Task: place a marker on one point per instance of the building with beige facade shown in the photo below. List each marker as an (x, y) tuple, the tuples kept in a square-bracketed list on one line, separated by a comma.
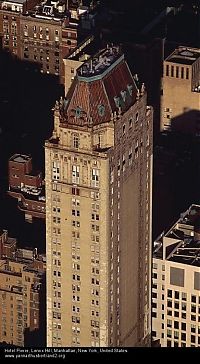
[(176, 283), (180, 88), (22, 287), (42, 33), (98, 209)]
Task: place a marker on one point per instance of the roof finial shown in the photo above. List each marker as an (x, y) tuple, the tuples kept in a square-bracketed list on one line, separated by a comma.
[(142, 91)]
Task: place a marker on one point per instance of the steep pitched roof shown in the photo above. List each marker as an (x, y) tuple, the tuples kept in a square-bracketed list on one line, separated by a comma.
[(100, 89)]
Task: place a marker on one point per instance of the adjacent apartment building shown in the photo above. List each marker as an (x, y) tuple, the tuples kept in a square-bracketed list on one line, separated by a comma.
[(22, 292), (180, 97), (26, 184), (98, 209), (42, 32), (176, 283)]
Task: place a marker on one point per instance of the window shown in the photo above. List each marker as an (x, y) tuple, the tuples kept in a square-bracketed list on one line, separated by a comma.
[(183, 326), (176, 305), (172, 71), (75, 191), (169, 303), (176, 334), (75, 174), (95, 217), (193, 308), (176, 324), (184, 306), (169, 333), (167, 70), (176, 295), (184, 296), (169, 293), (56, 170), (76, 141), (169, 323), (187, 73), (177, 72), (193, 298), (95, 177), (182, 72)]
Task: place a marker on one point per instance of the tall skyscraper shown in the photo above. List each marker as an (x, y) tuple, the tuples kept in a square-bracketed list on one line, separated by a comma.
[(176, 283), (98, 209)]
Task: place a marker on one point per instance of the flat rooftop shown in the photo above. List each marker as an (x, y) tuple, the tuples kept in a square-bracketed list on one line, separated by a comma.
[(183, 245), (100, 62), (20, 158), (184, 55)]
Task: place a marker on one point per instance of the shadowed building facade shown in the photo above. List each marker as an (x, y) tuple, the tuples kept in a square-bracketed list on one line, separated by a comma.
[(22, 283), (180, 86), (98, 209)]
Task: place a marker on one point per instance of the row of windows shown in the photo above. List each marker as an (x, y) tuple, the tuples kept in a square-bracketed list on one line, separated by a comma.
[(178, 72), (130, 123)]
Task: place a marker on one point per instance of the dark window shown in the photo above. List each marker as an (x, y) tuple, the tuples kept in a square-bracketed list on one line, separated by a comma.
[(169, 303), (154, 295), (175, 344), (187, 73), (176, 324), (172, 71), (183, 326), (176, 295), (193, 309), (169, 343), (183, 315), (193, 338), (193, 299), (176, 305), (182, 72), (193, 317), (154, 314), (75, 191), (167, 70), (183, 336), (177, 72), (176, 313), (169, 293)]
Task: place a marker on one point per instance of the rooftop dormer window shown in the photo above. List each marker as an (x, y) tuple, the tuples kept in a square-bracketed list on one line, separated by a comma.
[(101, 110), (78, 112)]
